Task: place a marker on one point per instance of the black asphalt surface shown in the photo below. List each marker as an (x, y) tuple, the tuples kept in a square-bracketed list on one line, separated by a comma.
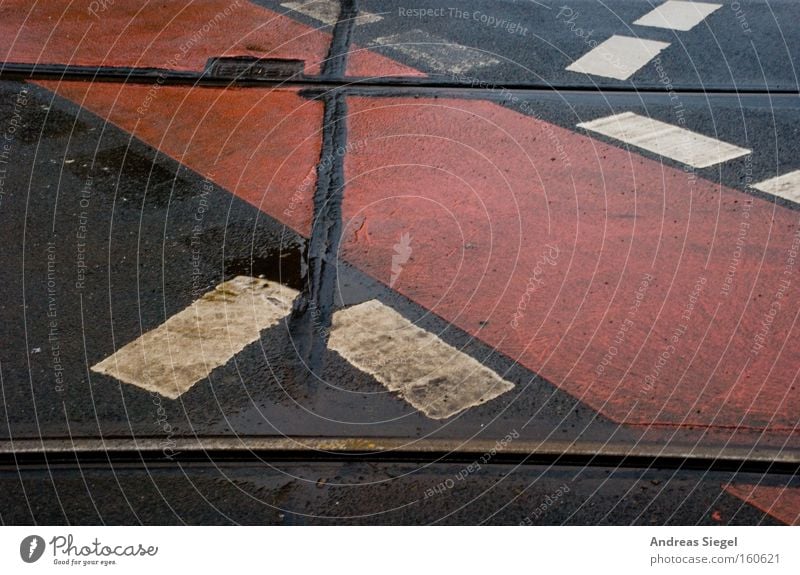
[(139, 273), (139, 258), (737, 81), (336, 493), (745, 45)]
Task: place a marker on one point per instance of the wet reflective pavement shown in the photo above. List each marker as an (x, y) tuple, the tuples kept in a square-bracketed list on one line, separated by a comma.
[(586, 294)]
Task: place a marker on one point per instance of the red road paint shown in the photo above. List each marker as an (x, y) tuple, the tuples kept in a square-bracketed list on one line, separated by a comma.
[(782, 503), (362, 63), (262, 145), (479, 225), (166, 35), (482, 191)]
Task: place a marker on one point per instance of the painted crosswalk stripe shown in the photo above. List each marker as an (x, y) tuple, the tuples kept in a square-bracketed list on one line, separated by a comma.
[(170, 359), (678, 15), (619, 57), (327, 11), (786, 186), (431, 375), (433, 52), (664, 139)]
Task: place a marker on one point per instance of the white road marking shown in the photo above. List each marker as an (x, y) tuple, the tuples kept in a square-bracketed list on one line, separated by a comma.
[(435, 52), (619, 57), (170, 359), (431, 375), (327, 11), (678, 15), (786, 186), (665, 140)]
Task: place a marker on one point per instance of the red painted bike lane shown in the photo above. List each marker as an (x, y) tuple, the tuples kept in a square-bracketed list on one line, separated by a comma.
[(602, 270), (782, 503), (171, 36), (606, 272)]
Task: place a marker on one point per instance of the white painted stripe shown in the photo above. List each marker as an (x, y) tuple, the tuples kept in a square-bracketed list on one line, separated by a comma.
[(666, 140), (678, 15), (436, 53), (786, 186), (619, 57), (327, 11), (170, 359), (431, 375)]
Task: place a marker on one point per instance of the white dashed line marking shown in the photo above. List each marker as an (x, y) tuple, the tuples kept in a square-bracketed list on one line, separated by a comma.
[(428, 373), (170, 359), (327, 11), (678, 15), (666, 140), (619, 57), (436, 53), (786, 186)]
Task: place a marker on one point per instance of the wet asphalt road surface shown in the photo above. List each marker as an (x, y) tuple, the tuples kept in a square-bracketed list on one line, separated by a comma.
[(107, 235)]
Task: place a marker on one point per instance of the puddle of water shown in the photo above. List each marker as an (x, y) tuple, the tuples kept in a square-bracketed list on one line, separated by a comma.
[(282, 263)]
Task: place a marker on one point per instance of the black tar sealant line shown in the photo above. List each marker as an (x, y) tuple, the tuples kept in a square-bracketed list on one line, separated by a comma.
[(335, 65), (312, 311), (310, 321)]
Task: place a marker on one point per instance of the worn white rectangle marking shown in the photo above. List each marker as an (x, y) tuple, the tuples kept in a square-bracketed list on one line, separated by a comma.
[(666, 140), (437, 53), (170, 359), (431, 375), (678, 15), (327, 11), (619, 57), (786, 186)]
